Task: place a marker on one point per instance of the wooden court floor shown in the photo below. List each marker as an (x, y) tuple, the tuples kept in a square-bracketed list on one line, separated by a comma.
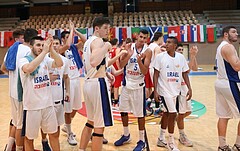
[(202, 131)]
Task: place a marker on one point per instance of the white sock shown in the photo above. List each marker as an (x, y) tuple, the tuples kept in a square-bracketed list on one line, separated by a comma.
[(162, 134), (10, 143), (171, 138), (69, 130), (238, 140), (181, 131), (141, 135), (222, 141), (19, 148), (125, 131)]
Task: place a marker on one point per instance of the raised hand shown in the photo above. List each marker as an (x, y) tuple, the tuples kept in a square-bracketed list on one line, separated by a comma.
[(193, 50)]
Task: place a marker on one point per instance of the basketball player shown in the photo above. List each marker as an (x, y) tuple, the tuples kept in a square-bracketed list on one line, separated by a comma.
[(136, 65), (75, 102), (98, 106), (155, 48), (227, 86), (58, 76), (169, 68), (185, 107), (16, 103), (37, 96)]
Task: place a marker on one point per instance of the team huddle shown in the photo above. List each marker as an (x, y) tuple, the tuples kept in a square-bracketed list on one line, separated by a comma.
[(45, 92)]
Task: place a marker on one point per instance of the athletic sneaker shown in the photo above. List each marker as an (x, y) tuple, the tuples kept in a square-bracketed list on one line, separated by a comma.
[(46, 146), (224, 148), (140, 146), (172, 147), (64, 129), (185, 141), (71, 139), (161, 143), (122, 140), (236, 147)]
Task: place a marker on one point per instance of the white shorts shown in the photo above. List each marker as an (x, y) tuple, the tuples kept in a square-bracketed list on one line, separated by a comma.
[(183, 105), (227, 98), (59, 110), (36, 119), (75, 102), (98, 102), (169, 104), (17, 113), (133, 101)]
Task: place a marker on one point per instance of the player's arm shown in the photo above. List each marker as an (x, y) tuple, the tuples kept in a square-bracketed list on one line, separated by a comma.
[(155, 83), (82, 37), (30, 67), (57, 59), (125, 57), (3, 68), (66, 80), (193, 65), (144, 66), (69, 40), (99, 50), (116, 72), (115, 59), (229, 54), (187, 81)]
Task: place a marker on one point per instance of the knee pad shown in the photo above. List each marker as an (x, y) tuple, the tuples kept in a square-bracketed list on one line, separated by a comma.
[(89, 125), (124, 114), (97, 135), (11, 123)]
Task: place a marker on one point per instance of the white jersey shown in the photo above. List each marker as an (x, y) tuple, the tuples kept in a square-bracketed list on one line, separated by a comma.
[(152, 46), (90, 71), (36, 89), (56, 86), (170, 73), (73, 69), (133, 77), (22, 51), (224, 69)]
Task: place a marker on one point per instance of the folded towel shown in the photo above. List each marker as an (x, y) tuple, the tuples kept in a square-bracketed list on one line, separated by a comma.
[(10, 61), (30, 59), (76, 56)]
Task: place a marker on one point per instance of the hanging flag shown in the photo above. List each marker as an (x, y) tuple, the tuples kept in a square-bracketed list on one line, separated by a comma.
[(89, 32), (129, 32), (112, 33), (8, 38), (192, 33), (82, 31), (2, 39), (152, 31), (211, 33), (135, 32), (164, 30), (122, 34), (174, 31), (51, 31), (184, 33), (58, 33), (201, 33), (42, 33)]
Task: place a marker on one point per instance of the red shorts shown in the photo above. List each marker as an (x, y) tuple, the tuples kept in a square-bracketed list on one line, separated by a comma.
[(148, 81), (118, 80)]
